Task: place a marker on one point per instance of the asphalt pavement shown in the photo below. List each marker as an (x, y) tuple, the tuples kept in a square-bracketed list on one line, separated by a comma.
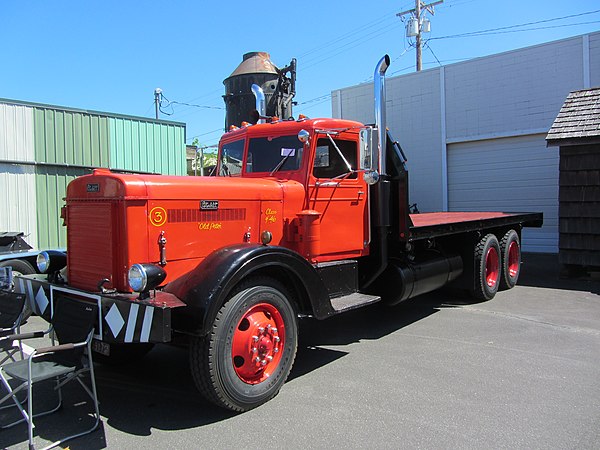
[(521, 371)]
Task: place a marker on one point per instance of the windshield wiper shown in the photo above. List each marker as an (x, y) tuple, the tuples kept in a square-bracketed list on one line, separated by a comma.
[(281, 163)]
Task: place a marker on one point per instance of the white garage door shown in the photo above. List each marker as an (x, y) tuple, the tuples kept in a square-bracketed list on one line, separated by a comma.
[(516, 174)]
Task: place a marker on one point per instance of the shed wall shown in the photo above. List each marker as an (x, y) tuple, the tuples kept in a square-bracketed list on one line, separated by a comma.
[(147, 147), (16, 133), (71, 138), (51, 189), (580, 205), (18, 197), (42, 148)]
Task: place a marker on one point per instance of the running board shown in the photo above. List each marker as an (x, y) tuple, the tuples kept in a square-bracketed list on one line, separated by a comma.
[(353, 301)]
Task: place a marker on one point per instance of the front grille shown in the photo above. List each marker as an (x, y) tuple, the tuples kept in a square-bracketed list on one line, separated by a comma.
[(90, 244)]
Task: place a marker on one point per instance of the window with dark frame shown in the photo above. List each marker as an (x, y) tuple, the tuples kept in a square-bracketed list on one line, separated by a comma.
[(328, 162)]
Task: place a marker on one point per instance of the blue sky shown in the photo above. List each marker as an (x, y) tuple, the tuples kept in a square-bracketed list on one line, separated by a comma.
[(110, 55)]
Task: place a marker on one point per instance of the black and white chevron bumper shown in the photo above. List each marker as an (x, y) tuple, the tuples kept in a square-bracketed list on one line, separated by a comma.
[(121, 318)]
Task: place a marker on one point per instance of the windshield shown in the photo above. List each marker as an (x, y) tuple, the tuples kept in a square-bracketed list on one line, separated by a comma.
[(266, 153)]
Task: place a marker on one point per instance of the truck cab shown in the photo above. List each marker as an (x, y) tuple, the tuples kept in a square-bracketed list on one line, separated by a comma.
[(320, 166)]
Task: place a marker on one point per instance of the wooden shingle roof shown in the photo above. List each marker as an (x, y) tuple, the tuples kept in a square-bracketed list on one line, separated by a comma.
[(578, 121)]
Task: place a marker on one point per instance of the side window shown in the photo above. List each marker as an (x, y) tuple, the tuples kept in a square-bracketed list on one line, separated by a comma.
[(232, 155), (329, 163)]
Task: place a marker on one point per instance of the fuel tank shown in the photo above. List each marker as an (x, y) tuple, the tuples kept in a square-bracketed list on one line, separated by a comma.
[(407, 279)]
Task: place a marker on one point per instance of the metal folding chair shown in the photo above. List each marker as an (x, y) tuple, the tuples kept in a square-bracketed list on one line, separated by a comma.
[(11, 314), (73, 324)]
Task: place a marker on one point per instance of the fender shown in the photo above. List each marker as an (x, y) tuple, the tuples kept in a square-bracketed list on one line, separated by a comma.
[(205, 288)]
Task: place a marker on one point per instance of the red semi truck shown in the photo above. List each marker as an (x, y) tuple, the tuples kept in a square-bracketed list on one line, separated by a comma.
[(306, 217)]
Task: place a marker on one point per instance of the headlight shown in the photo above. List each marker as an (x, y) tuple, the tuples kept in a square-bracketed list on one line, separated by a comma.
[(137, 277), (145, 277), (51, 261), (43, 262)]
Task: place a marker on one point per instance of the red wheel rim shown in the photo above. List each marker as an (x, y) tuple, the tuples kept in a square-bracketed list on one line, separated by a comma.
[(513, 259), (258, 343), (491, 267)]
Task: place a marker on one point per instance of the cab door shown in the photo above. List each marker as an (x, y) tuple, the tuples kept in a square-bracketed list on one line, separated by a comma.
[(338, 192)]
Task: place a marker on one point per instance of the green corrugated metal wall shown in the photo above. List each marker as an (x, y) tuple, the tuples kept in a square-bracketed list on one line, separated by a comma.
[(51, 188), (64, 139), (145, 146), (74, 138)]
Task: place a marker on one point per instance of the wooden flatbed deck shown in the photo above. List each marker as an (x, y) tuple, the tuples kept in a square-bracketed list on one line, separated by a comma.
[(428, 225)]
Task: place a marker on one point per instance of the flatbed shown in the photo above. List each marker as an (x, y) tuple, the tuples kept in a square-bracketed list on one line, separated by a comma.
[(437, 224)]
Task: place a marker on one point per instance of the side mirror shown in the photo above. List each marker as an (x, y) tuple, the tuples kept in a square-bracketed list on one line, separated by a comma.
[(368, 155), (371, 177), (303, 136), (368, 149)]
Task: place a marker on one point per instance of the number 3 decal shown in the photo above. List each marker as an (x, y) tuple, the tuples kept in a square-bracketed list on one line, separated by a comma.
[(157, 216)]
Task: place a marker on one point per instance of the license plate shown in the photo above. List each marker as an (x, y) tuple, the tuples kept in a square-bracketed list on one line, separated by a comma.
[(101, 347)]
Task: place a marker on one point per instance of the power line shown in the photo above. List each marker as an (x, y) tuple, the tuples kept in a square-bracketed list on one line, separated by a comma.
[(191, 138), (431, 50), (347, 46), (312, 100), (482, 33), (511, 27), (347, 35), (195, 106)]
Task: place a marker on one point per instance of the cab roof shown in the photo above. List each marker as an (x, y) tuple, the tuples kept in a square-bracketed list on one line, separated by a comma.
[(287, 127)]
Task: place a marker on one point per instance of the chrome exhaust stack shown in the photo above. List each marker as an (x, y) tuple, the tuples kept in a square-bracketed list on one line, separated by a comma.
[(261, 105), (380, 120), (381, 189)]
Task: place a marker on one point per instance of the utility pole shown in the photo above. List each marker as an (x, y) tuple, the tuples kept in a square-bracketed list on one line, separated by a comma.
[(417, 24), (157, 93)]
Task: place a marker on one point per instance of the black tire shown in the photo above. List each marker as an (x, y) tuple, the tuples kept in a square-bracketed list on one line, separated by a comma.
[(123, 354), (231, 377), (21, 267), (487, 268), (510, 248)]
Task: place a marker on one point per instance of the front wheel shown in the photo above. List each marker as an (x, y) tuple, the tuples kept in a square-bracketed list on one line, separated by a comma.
[(245, 359)]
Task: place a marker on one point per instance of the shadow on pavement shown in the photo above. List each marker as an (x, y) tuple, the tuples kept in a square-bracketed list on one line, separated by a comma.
[(543, 270), (158, 392)]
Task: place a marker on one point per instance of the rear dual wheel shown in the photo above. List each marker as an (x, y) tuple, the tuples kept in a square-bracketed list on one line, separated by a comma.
[(497, 264), (511, 259), (487, 268), (245, 359)]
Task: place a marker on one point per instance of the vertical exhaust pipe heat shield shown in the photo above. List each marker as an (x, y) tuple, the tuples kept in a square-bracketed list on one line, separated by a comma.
[(380, 119), (381, 191), (261, 104)]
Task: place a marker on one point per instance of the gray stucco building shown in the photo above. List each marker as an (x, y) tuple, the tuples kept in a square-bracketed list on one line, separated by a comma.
[(474, 132)]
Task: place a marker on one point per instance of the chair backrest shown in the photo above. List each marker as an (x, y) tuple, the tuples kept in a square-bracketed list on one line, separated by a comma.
[(11, 307), (72, 321)]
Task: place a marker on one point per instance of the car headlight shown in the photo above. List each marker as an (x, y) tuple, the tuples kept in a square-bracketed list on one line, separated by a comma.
[(145, 277), (51, 261), (43, 261)]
